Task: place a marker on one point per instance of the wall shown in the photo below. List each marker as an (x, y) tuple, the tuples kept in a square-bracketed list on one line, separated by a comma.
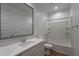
[(40, 25), (75, 33), (59, 14)]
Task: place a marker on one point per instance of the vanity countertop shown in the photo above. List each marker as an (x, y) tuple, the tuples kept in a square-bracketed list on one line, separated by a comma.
[(16, 48)]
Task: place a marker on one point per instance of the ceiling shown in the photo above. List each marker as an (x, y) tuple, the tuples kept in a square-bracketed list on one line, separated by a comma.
[(49, 7)]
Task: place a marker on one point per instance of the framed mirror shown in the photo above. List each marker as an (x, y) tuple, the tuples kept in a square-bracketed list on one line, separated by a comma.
[(16, 20)]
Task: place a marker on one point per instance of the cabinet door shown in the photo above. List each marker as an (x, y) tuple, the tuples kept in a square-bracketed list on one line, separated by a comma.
[(29, 52), (37, 50)]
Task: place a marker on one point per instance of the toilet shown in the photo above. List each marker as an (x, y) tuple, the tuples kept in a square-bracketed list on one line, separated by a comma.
[(48, 49)]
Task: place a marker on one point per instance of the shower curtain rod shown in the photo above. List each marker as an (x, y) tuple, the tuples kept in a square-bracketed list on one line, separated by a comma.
[(60, 18)]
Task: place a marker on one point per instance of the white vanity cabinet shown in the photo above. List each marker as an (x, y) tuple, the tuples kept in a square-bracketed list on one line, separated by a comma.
[(32, 47), (37, 50)]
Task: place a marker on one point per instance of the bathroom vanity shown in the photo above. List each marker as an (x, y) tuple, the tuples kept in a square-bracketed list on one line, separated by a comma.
[(17, 21), (32, 47)]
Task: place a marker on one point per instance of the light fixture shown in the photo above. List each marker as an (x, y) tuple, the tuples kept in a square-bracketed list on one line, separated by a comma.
[(55, 7)]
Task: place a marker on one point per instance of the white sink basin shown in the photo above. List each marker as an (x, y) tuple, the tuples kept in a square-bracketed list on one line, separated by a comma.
[(26, 43)]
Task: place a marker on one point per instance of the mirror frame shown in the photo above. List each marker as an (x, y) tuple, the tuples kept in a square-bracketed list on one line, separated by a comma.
[(19, 35)]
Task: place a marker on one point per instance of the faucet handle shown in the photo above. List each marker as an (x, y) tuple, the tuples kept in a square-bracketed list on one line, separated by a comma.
[(75, 26)]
